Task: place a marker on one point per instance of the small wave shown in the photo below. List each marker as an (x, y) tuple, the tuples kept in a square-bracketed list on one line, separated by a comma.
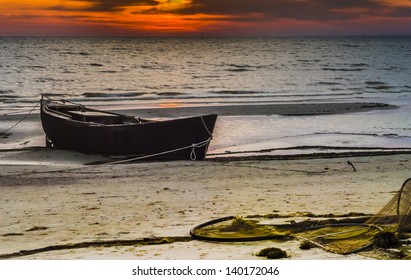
[(108, 71), (155, 66), (241, 67), (360, 65), (33, 67), (55, 94), (343, 69), (235, 92), (386, 135), (351, 46), (6, 91), (377, 85), (308, 60), (113, 95), (76, 53), (206, 77), (45, 80), (167, 93), (326, 84), (392, 69), (374, 83), (96, 65), (238, 69), (9, 98), (119, 49), (382, 87)]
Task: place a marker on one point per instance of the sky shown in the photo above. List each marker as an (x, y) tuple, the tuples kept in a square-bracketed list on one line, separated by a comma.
[(204, 17)]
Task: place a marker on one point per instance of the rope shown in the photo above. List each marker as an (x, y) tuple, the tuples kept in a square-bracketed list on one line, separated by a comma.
[(193, 156), (14, 112), (206, 128), (28, 114)]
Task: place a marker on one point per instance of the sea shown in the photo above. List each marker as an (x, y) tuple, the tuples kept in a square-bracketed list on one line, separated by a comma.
[(177, 72)]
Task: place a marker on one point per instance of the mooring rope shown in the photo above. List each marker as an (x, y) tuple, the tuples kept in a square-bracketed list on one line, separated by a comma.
[(193, 156), (14, 125), (206, 128)]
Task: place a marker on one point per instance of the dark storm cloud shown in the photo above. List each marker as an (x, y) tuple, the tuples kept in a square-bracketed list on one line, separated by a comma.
[(108, 5), (238, 10), (259, 10), (114, 5), (291, 9)]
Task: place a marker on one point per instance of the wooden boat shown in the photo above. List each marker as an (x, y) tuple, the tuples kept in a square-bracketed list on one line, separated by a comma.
[(75, 127)]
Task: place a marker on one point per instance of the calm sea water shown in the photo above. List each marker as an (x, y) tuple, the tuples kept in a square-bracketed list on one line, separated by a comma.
[(156, 72)]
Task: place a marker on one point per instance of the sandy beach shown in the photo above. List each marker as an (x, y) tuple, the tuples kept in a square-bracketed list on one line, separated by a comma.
[(53, 198), (53, 205)]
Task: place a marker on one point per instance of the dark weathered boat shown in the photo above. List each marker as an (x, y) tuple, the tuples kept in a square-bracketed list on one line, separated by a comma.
[(75, 127)]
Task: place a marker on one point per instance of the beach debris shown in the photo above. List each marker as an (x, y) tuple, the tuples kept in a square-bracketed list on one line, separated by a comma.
[(88, 193), (306, 245), (272, 253), (352, 165), (386, 239), (36, 228), (98, 243), (12, 234)]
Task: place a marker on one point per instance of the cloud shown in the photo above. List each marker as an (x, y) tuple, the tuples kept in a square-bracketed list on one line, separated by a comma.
[(228, 16), (252, 10), (105, 5), (114, 5), (291, 9)]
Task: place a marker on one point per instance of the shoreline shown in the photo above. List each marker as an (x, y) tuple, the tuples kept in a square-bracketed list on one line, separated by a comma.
[(37, 155), (29, 133), (290, 109), (285, 109)]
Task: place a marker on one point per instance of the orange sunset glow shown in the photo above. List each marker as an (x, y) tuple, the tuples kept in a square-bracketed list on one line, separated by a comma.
[(204, 17)]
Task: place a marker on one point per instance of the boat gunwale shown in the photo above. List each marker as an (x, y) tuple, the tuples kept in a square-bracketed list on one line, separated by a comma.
[(67, 117), (45, 108)]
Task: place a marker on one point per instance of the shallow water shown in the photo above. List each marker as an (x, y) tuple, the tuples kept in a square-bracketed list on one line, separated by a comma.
[(170, 72)]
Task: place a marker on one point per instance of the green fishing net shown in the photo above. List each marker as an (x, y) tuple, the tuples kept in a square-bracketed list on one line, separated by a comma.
[(337, 234), (397, 212)]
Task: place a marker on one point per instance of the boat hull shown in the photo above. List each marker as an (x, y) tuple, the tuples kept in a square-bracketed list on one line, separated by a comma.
[(177, 139)]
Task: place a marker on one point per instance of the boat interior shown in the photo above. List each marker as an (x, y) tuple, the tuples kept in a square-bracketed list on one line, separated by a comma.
[(80, 113)]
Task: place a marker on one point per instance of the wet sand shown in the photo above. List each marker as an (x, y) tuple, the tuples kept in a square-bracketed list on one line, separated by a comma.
[(292, 109), (29, 133)]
